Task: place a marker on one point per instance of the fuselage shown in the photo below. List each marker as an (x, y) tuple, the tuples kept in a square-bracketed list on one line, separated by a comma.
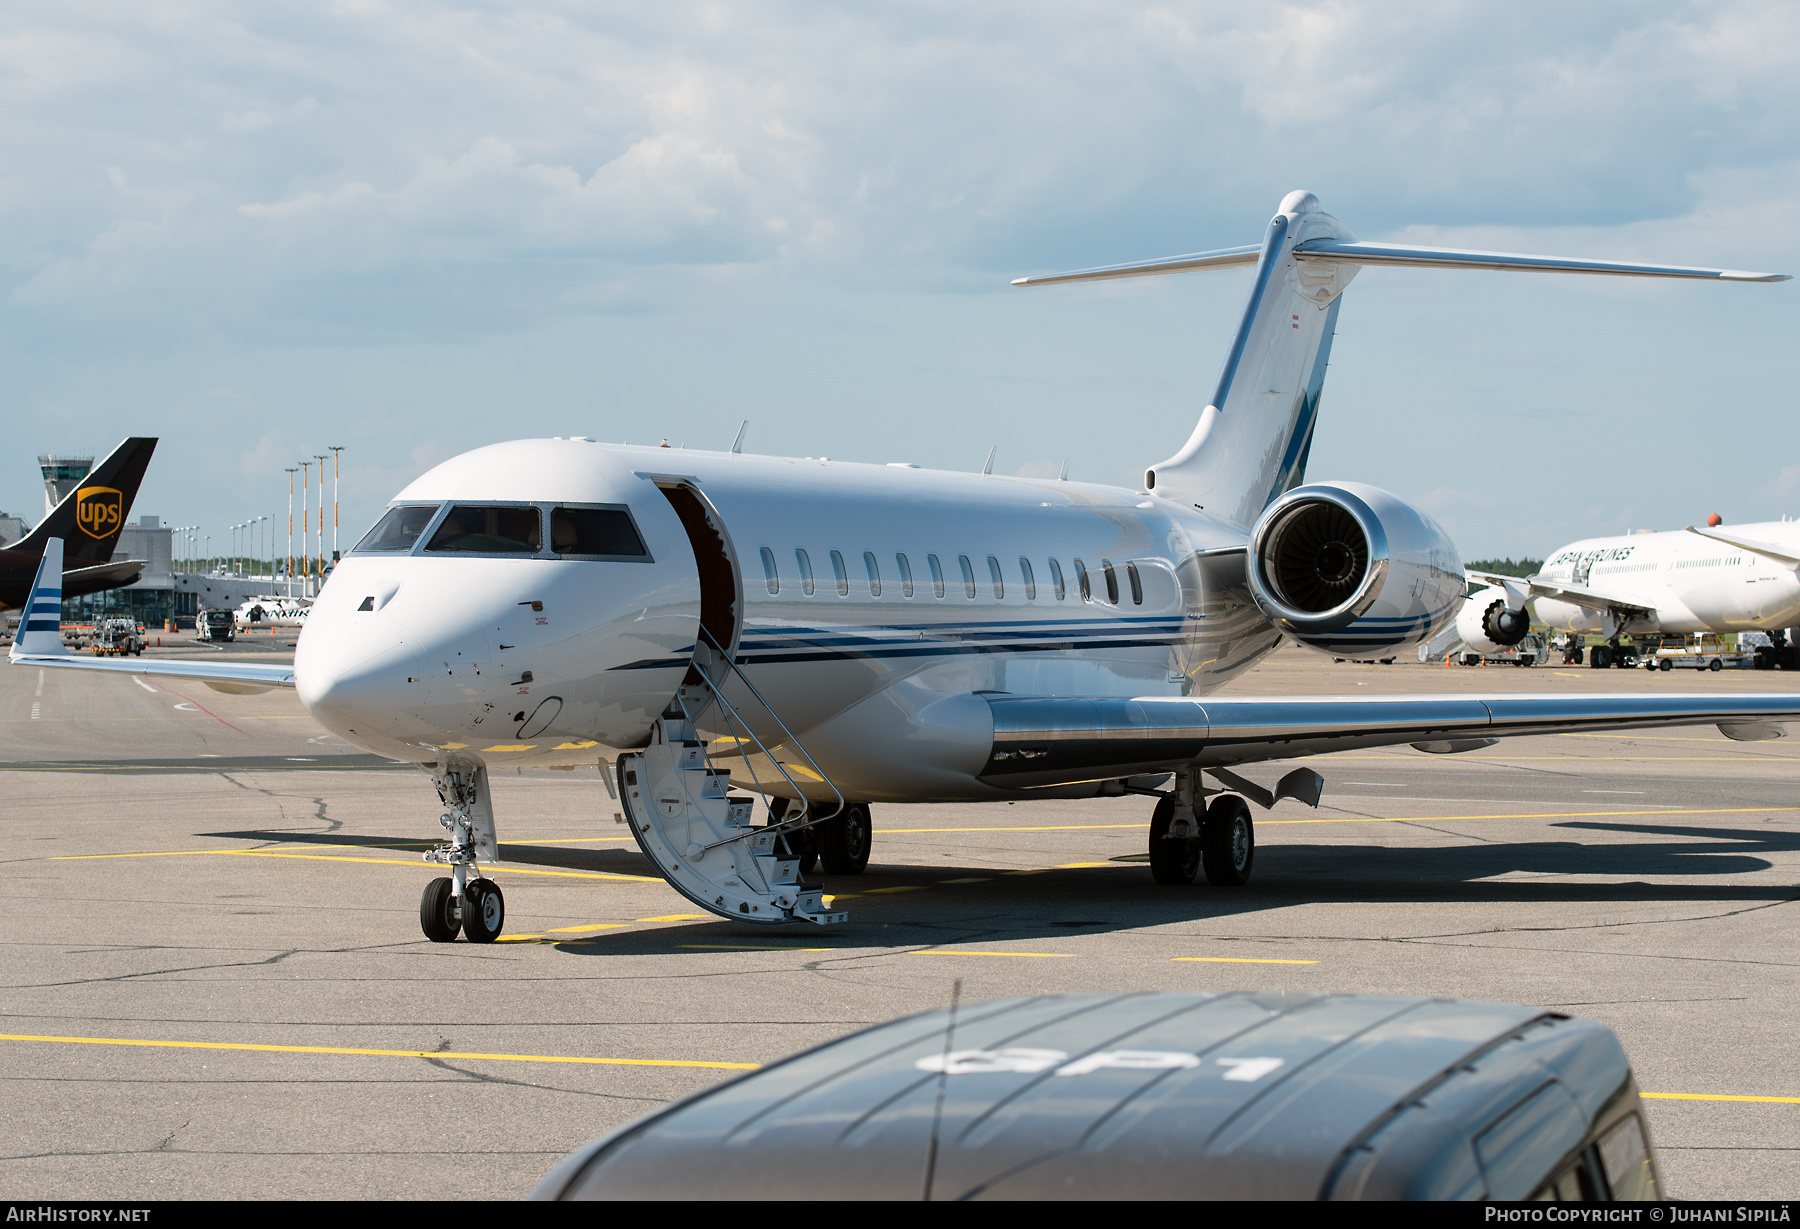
[(1687, 582), (872, 607)]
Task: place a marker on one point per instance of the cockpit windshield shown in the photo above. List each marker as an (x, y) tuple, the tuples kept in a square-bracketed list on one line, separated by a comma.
[(399, 529), (487, 529), (595, 533)]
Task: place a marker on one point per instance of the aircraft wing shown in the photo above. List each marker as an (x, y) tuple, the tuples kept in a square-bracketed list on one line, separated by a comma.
[(1777, 553), (1043, 741), (39, 643), (1581, 595)]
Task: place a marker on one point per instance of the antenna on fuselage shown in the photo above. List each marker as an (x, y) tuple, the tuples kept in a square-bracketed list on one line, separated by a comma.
[(989, 467), (1064, 476), (737, 445)]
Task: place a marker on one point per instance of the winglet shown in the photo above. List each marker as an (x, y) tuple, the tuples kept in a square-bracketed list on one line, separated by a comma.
[(40, 632)]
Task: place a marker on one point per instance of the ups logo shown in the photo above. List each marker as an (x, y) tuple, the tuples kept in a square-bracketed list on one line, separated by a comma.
[(99, 510)]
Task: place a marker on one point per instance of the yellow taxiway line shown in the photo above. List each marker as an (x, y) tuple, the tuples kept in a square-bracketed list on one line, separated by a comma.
[(276, 1049), (941, 951), (334, 857), (587, 1060)]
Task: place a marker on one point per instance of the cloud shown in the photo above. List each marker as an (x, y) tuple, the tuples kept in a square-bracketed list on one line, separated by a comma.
[(511, 157)]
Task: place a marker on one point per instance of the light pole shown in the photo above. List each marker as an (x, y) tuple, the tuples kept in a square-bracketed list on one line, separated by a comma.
[(320, 458), (305, 525), (289, 575), (336, 457)]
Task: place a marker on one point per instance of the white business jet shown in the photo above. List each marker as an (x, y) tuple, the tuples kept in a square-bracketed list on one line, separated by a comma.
[(1746, 578), (831, 634)]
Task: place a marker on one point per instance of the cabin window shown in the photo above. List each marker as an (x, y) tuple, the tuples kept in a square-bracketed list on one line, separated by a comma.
[(968, 571), (487, 529), (994, 575), (1030, 580), (937, 574), (1056, 579), (398, 530), (595, 533), (769, 577), (839, 574), (906, 588), (1081, 581), (805, 566), (874, 572), (1112, 581), (1137, 584)]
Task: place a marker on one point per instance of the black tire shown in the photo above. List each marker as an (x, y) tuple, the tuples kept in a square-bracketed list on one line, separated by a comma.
[(1716, 664), (1228, 842), (1600, 657), (483, 911), (804, 846), (1171, 862), (1665, 664), (1387, 661), (844, 841), (437, 912)]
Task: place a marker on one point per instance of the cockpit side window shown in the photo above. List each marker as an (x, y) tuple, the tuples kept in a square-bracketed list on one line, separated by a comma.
[(488, 529), (399, 529), (596, 533)]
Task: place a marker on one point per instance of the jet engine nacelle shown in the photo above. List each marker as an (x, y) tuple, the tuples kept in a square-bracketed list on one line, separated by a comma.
[(1487, 623), (1352, 570)]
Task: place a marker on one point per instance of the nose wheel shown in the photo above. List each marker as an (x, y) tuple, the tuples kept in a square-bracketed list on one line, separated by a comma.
[(438, 916), (483, 911)]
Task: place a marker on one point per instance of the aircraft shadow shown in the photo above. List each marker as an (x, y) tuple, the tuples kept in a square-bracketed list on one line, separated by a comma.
[(1051, 904)]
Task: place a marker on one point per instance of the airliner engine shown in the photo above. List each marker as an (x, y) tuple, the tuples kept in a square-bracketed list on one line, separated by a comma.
[(1352, 570), (1487, 624)]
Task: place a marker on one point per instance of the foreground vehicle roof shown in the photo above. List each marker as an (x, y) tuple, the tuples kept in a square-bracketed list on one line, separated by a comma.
[(1151, 1096)]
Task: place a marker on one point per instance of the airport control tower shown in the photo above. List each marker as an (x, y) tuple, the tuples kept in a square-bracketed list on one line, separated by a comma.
[(62, 475)]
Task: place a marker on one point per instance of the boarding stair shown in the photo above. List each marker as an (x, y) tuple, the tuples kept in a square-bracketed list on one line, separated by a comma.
[(703, 838)]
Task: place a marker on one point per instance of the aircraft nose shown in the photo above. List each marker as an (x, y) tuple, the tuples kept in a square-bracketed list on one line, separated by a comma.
[(362, 700)]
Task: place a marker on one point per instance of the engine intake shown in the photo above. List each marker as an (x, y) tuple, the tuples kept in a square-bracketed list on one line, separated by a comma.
[(1317, 558), (1352, 570)]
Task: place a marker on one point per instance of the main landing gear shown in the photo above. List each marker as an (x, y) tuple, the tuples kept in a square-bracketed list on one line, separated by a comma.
[(464, 901), (1222, 842)]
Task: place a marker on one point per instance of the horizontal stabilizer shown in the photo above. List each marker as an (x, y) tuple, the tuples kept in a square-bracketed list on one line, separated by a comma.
[(1357, 252), (1360, 253), (1194, 262)]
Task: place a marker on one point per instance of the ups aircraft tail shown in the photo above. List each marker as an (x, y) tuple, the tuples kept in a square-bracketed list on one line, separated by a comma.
[(90, 517), (1253, 438)]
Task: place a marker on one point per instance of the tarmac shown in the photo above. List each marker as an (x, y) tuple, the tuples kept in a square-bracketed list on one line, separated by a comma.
[(215, 984)]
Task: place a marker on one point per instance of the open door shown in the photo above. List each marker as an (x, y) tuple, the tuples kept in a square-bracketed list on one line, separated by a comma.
[(720, 605)]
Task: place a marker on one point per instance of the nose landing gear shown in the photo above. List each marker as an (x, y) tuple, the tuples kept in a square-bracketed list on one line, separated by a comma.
[(465, 901)]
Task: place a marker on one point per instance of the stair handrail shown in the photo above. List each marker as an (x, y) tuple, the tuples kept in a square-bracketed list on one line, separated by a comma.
[(733, 716)]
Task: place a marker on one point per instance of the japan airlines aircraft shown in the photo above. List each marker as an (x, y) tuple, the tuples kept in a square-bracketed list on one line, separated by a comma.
[(830, 634), (1746, 578)]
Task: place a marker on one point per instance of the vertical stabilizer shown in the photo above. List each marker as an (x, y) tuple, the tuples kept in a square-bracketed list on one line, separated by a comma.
[(91, 515), (1253, 438), (40, 630)]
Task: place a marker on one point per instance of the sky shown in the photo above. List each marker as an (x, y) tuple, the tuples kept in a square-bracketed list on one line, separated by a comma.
[(412, 229)]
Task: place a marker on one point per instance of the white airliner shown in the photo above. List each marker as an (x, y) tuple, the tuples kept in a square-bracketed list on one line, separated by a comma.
[(1745, 578), (833, 634)]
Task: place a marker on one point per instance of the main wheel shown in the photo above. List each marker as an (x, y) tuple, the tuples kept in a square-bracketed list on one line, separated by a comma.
[(1175, 862), (437, 912), (844, 841), (804, 845), (483, 911), (1228, 842)]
